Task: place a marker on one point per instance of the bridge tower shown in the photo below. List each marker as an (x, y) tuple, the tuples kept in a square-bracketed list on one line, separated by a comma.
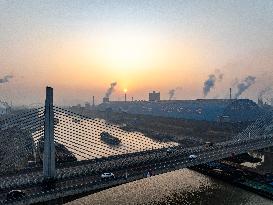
[(49, 170)]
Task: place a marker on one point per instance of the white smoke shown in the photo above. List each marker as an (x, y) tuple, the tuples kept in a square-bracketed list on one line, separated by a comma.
[(244, 85), (172, 92), (211, 81)]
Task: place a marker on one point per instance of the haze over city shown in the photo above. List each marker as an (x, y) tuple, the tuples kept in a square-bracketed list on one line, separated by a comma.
[(149, 102), (81, 47)]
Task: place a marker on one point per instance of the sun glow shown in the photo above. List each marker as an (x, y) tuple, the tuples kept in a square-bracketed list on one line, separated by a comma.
[(127, 51)]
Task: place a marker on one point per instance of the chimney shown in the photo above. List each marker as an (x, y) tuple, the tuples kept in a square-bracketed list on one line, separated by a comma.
[(132, 99), (93, 104), (125, 97), (230, 93)]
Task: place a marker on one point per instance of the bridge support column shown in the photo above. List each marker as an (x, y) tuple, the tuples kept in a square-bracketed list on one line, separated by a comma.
[(49, 170)]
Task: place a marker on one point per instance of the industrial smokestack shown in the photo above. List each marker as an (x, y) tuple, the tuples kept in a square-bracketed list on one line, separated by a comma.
[(132, 99), (230, 93), (125, 97), (93, 104)]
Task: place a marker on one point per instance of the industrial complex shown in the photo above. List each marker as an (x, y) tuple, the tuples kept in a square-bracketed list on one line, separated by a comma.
[(223, 110), (200, 109)]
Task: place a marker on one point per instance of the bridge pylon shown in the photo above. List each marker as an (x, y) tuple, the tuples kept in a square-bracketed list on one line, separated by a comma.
[(49, 167)]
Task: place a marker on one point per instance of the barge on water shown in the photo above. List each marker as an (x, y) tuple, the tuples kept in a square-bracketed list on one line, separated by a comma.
[(254, 182), (109, 139)]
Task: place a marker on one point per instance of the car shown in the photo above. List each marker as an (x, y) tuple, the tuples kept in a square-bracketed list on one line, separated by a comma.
[(192, 156), (15, 194), (170, 150), (107, 175), (208, 144)]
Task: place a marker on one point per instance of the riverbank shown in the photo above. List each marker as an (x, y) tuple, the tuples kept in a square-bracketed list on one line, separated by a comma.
[(261, 184)]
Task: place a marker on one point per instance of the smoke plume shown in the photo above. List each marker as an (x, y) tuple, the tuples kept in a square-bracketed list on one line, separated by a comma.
[(219, 75), (264, 91), (244, 85), (211, 81), (209, 84), (5, 79), (110, 90), (172, 92)]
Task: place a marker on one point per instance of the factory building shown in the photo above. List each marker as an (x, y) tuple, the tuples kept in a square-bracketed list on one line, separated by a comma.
[(105, 99), (87, 106), (154, 96), (224, 110)]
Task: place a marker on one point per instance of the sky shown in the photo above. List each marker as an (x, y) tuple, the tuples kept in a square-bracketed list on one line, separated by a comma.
[(79, 47)]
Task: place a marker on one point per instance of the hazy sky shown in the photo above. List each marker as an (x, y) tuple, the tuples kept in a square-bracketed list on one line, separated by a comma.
[(79, 47)]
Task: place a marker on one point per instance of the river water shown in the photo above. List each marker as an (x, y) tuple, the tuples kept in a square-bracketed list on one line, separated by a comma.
[(184, 187)]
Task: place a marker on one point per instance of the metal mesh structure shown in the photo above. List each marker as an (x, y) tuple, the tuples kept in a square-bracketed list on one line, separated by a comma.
[(82, 153), (20, 136), (82, 136), (263, 126)]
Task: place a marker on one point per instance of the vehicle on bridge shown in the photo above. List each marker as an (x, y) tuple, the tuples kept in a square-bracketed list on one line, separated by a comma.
[(192, 156), (107, 175), (170, 150)]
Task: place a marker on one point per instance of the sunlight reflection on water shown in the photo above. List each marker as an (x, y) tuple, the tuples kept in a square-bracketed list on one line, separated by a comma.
[(179, 187)]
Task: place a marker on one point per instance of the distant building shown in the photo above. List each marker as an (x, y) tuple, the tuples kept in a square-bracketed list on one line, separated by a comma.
[(272, 102), (87, 106), (154, 96), (223, 110), (105, 99)]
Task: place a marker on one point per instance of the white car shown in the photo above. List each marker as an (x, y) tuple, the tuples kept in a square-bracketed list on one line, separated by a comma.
[(192, 156), (170, 150), (107, 175)]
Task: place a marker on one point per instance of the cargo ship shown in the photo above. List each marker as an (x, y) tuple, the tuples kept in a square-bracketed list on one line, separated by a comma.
[(109, 139)]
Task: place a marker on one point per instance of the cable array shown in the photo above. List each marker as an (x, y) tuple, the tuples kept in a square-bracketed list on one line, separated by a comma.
[(81, 135), (20, 135), (262, 126)]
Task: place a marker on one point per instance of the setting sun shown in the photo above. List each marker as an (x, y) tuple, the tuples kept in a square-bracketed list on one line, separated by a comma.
[(127, 51)]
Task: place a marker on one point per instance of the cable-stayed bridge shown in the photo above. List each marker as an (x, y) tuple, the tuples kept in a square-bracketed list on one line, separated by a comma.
[(52, 153)]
